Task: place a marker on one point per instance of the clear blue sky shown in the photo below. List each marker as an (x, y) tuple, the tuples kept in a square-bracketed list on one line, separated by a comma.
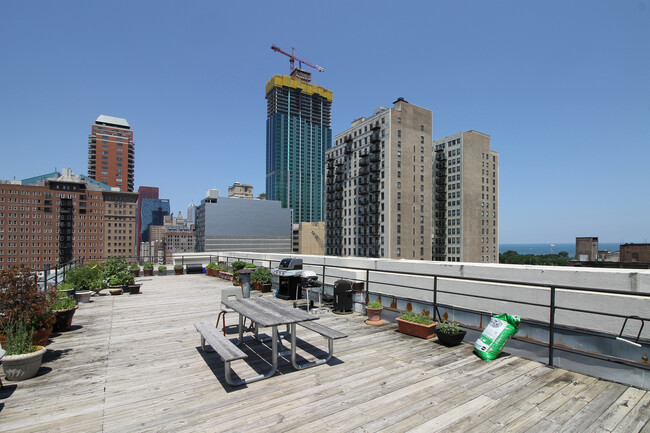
[(562, 88)]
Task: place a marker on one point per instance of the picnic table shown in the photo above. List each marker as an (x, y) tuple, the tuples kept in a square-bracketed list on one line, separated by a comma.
[(265, 312)]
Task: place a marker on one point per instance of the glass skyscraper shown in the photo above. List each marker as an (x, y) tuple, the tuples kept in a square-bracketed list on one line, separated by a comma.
[(298, 131), (152, 212)]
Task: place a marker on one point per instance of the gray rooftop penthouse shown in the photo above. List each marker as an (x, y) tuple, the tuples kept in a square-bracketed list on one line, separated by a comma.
[(134, 364), (224, 223)]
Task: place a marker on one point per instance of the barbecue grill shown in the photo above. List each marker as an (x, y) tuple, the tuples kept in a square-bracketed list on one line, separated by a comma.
[(286, 278)]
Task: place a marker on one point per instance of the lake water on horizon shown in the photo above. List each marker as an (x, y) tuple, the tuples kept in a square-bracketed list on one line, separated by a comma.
[(539, 249)]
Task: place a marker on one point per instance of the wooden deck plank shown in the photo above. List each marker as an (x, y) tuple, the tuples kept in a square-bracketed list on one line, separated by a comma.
[(618, 410), (133, 364)]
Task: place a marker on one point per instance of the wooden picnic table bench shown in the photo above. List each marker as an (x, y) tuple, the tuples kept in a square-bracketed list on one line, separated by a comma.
[(226, 349)]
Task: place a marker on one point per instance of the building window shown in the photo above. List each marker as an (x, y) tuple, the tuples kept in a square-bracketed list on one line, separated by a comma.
[(399, 132), (399, 120)]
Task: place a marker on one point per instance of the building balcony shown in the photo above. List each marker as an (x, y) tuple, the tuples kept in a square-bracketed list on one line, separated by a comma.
[(348, 148), (363, 161), (375, 148), (375, 138)]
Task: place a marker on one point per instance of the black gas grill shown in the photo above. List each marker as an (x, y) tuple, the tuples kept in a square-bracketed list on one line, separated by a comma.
[(286, 278)]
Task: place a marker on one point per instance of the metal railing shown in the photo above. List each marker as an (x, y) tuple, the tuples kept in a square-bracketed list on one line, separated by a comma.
[(551, 305)]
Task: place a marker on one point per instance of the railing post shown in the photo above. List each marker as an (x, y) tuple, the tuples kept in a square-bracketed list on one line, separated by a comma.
[(367, 279), (435, 298), (551, 323), (323, 274)]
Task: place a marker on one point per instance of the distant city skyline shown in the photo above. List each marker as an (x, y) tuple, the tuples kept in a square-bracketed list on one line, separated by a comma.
[(560, 87)]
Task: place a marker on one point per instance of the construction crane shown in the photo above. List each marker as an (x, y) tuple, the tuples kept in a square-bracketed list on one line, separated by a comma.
[(293, 57)]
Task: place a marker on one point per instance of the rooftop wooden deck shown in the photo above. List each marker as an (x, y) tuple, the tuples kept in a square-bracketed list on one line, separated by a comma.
[(132, 363)]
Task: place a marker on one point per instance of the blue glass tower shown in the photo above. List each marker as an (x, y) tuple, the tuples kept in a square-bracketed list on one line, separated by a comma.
[(152, 213), (298, 131)]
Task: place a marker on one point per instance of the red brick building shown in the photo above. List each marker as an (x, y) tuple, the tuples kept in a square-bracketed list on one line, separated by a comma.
[(111, 152), (51, 219)]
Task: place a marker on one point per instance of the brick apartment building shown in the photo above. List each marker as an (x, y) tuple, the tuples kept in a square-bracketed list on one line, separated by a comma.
[(54, 218)]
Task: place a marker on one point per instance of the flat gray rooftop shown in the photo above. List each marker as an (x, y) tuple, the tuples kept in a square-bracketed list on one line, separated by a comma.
[(132, 363)]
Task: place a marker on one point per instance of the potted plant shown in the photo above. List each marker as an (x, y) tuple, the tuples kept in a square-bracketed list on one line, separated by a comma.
[(135, 269), (22, 300), (236, 266), (162, 270), (66, 289), (113, 266), (63, 308), (223, 272), (83, 279), (122, 280), (23, 358), (374, 310), (148, 269), (98, 285), (417, 325), (450, 334), (210, 268), (262, 278), (178, 269)]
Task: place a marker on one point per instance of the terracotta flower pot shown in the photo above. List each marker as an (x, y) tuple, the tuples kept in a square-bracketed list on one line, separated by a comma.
[(416, 329), (178, 271), (135, 272), (148, 272), (134, 289), (374, 314), (115, 291), (63, 319)]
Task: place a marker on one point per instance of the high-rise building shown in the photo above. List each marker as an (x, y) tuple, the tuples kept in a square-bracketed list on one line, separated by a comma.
[(111, 152), (120, 223), (152, 213), (466, 201), (298, 131), (191, 214), (379, 185), (144, 192)]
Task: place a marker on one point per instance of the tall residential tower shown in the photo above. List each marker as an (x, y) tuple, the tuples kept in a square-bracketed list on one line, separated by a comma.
[(298, 131), (379, 185), (466, 199), (111, 152)]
